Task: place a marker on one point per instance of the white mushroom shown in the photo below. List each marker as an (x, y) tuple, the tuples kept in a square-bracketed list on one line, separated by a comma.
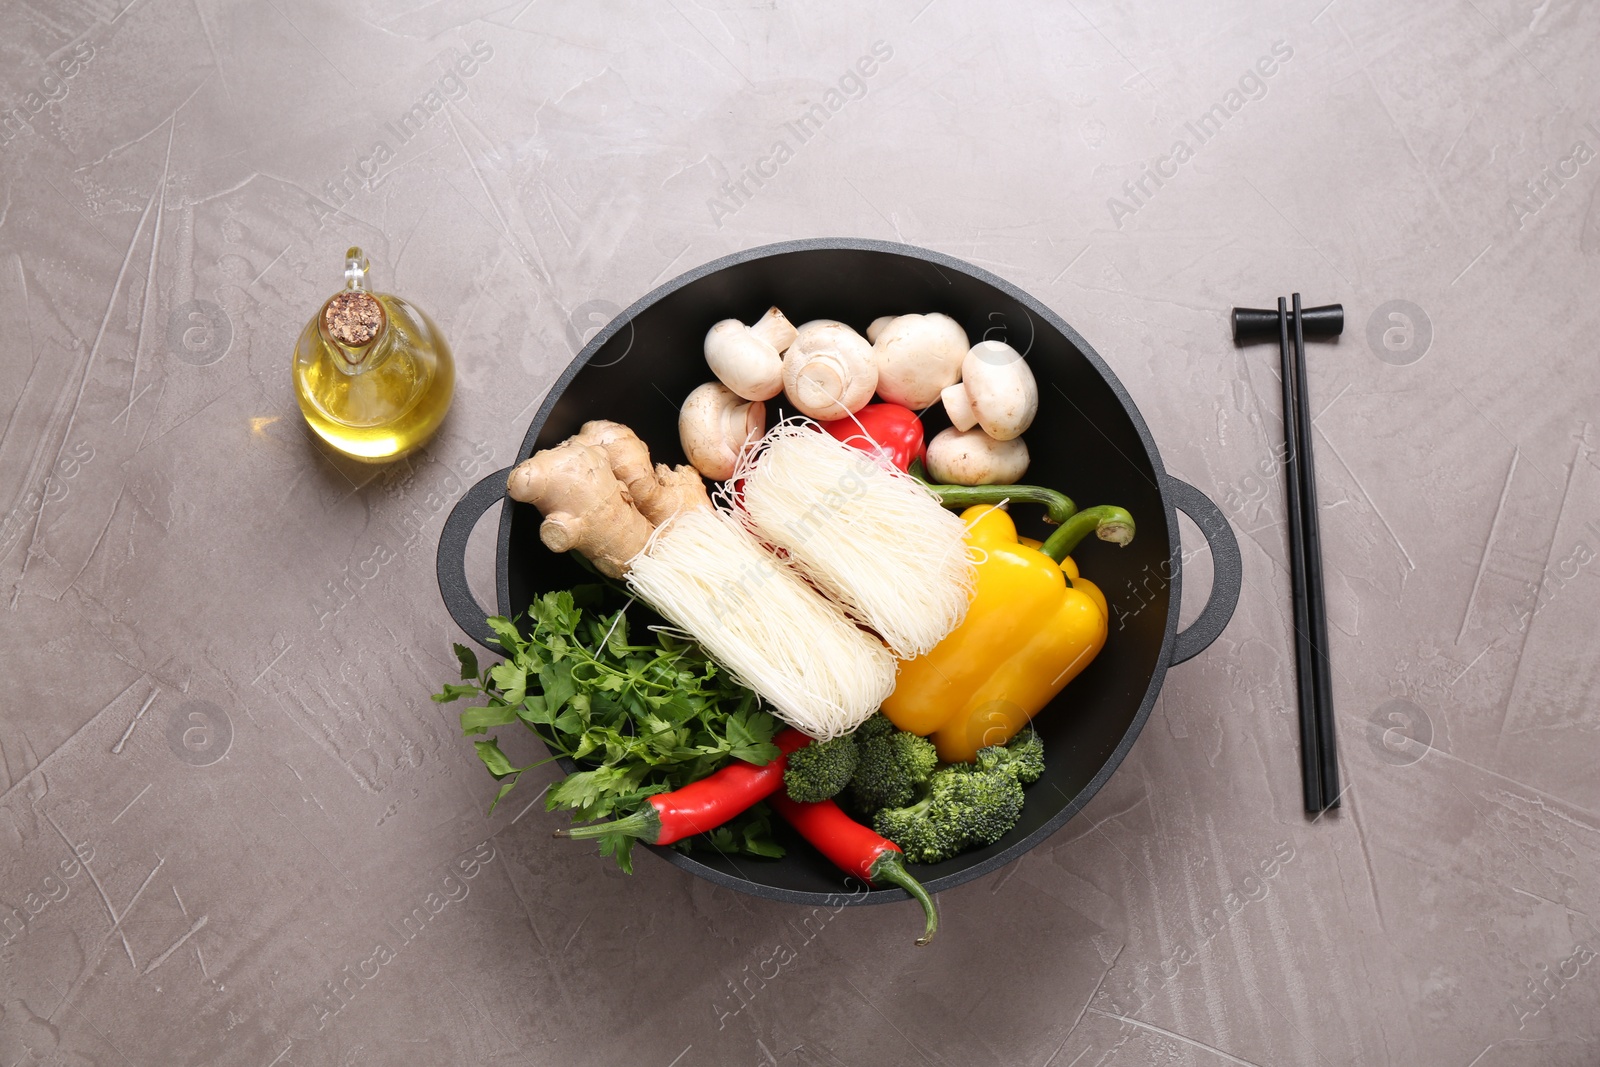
[(714, 424), (875, 327), (972, 457), (996, 391), (829, 372), (748, 359), (918, 356), (776, 330)]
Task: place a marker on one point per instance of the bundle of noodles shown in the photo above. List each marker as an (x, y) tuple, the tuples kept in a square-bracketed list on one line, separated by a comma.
[(600, 495), (870, 536), (819, 671)]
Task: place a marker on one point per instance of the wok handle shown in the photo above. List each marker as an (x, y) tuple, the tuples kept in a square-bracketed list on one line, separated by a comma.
[(452, 562), (1227, 568)]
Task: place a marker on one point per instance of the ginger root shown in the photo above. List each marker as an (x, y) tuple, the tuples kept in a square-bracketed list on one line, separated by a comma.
[(600, 495), (659, 491), (585, 508)]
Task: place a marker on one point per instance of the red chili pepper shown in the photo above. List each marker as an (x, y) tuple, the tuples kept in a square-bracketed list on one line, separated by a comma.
[(702, 805), (893, 430), (856, 849)]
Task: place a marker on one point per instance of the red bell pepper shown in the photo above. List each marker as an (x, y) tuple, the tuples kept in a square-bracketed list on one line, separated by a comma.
[(890, 430)]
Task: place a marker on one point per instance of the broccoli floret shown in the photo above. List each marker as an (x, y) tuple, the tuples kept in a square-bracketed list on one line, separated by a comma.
[(1027, 756), (892, 768), (820, 770), (985, 803), (965, 806), (921, 836), (1023, 757), (879, 725)]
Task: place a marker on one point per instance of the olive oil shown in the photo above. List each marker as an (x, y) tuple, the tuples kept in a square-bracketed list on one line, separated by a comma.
[(372, 373)]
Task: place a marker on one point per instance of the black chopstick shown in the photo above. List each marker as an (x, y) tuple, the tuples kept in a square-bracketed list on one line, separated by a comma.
[(1319, 755), (1315, 597), (1304, 657)]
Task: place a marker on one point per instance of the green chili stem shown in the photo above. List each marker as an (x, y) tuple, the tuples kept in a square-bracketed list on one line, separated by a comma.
[(644, 824), (1058, 506), (889, 868), (1108, 522)]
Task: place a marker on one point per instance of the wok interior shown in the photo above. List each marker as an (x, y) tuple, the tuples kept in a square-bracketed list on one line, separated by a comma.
[(1083, 442)]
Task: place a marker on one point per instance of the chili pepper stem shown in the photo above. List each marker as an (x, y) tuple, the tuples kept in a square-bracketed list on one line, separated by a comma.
[(889, 868), (1058, 506), (1108, 522), (644, 824)]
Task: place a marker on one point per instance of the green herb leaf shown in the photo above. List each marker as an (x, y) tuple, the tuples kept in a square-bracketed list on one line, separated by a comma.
[(556, 681), (506, 630), (489, 752), (679, 708), (617, 628), (757, 834), (749, 833), (469, 662), (750, 737), (764, 846), (583, 789), (504, 789), (534, 710), (619, 846), (477, 720), (556, 612)]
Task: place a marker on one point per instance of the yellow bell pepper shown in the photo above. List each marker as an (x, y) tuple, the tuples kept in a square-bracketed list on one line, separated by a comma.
[(1032, 625)]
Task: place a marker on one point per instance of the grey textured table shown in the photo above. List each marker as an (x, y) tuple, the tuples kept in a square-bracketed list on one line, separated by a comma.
[(235, 831)]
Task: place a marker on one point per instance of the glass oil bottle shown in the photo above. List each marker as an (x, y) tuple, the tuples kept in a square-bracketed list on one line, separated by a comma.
[(372, 373)]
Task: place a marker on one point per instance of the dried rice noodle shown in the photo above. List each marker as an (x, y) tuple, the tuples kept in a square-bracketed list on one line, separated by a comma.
[(870, 536), (819, 671)]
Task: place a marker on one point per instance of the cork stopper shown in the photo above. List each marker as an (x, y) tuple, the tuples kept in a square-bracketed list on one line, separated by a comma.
[(353, 317)]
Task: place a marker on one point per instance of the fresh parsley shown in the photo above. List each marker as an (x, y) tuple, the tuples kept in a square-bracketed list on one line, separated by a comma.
[(636, 719)]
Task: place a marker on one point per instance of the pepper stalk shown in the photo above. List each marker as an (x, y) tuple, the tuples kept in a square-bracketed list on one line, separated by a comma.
[(1107, 521), (1058, 506)]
